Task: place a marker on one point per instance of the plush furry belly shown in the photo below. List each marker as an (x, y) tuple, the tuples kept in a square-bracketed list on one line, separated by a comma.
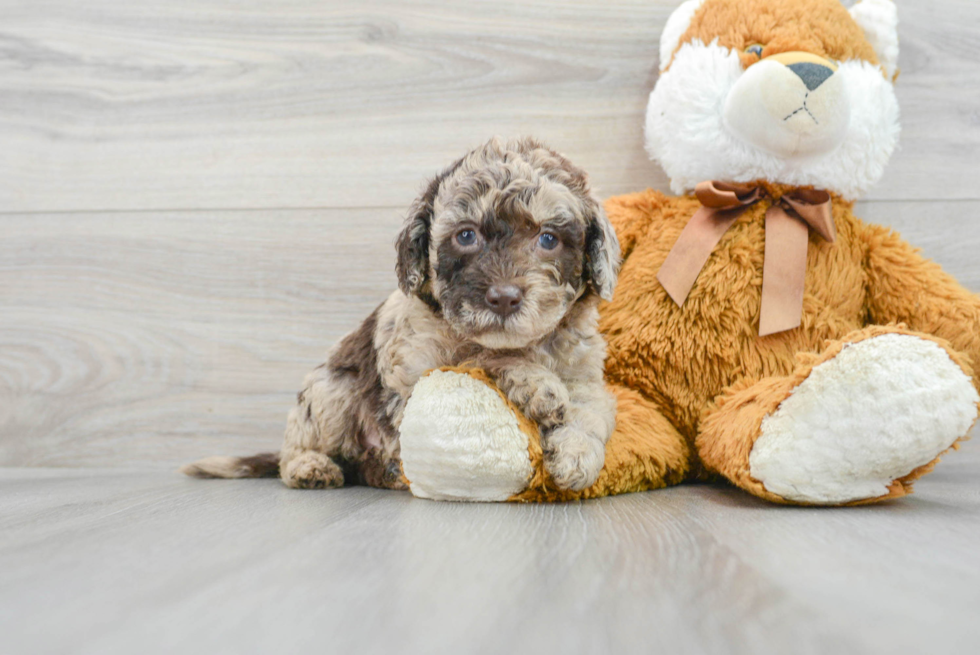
[(683, 357)]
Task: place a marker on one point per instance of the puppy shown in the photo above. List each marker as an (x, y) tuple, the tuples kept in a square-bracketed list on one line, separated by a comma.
[(501, 264)]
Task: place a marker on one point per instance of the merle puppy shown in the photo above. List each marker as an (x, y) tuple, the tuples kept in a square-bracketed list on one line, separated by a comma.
[(501, 264)]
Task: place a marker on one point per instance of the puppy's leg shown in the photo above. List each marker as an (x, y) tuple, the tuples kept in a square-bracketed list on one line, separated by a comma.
[(343, 419), (536, 390), (575, 451), (575, 424), (314, 435)]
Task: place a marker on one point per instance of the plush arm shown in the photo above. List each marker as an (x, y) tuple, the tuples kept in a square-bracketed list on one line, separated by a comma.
[(904, 287), (632, 215)]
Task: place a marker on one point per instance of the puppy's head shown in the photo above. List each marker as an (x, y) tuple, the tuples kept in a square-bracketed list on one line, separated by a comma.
[(505, 242)]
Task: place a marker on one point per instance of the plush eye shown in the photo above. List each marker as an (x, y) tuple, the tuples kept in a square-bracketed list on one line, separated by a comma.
[(548, 241), (466, 237), (755, 49)]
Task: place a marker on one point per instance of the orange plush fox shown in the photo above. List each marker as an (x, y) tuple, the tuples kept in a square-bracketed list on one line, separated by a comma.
[(760, 331)]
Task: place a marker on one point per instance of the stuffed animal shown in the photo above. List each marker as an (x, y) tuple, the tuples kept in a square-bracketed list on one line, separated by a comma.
[(760, 332)]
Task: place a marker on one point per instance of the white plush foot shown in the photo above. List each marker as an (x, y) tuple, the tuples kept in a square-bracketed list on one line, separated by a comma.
[(461, 441), (877, 411)]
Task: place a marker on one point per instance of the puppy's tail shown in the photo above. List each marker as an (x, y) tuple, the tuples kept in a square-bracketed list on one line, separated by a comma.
[(263, 465)]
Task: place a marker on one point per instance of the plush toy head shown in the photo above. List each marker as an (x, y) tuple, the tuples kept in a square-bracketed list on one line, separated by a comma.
[(796, 92)]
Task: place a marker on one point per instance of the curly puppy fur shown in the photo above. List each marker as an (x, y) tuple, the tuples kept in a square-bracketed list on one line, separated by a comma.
[(501, 264)]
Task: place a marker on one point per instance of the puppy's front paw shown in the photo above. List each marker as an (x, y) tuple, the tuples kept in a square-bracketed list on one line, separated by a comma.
[(543, 403), (573, 457), (547, 406)]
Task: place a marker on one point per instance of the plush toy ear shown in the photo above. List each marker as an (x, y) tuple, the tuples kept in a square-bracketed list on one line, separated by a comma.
[(601, 253), (879, 20), (676, 25)]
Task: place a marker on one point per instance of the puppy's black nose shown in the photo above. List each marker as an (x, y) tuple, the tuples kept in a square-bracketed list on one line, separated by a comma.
[(504, 299), (813, 75)]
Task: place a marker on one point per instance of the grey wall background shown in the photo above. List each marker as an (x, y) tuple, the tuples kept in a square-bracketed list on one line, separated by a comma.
[(198, 197)]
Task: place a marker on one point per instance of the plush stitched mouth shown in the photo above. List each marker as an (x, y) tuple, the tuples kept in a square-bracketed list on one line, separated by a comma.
[(803, 108), (772, 108)]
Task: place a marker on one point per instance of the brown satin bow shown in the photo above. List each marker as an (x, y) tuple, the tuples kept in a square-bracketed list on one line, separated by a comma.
[(787, 237)]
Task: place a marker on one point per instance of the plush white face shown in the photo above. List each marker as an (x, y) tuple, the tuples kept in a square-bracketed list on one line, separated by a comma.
[(777, 111), (794, 108)]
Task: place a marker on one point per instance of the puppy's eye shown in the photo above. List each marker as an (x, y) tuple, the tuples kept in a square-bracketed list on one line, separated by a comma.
[(466, 238), (755, 49), (548, 241)]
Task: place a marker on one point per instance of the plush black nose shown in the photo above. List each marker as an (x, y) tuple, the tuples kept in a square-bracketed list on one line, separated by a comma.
[(504, 299), (813, 75)]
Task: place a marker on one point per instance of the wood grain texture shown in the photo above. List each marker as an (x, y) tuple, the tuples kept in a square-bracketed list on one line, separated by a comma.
[(107, 105), (157, 338), (114, 561), (124, 337)]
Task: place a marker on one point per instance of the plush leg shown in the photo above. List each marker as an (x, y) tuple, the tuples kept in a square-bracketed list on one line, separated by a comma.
[(858, 423), (462, 439), (644, 452)]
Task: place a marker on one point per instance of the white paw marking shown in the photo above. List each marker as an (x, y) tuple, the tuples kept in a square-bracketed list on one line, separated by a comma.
[(880, 409)]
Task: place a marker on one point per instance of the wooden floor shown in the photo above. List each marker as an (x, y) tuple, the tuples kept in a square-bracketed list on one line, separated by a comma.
[(140, 560), (198, 197)]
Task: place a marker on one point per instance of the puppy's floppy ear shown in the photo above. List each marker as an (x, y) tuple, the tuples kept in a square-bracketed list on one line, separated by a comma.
[(412, 265), (412, 245), (601, 252)]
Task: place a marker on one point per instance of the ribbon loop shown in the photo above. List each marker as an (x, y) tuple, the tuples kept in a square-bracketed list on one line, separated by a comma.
[(787, 239), (814, 207), (719, 195)]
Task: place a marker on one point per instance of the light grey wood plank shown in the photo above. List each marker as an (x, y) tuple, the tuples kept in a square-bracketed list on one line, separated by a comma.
[(124, 336), (105, 561), (156, 338), (302, 103)]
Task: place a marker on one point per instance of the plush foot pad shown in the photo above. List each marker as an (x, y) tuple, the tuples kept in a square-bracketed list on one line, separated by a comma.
[(877, 411), (460, 440)]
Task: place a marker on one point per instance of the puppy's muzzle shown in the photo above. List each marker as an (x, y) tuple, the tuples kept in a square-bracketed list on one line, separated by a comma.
[(790, 104), (504, 299)]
